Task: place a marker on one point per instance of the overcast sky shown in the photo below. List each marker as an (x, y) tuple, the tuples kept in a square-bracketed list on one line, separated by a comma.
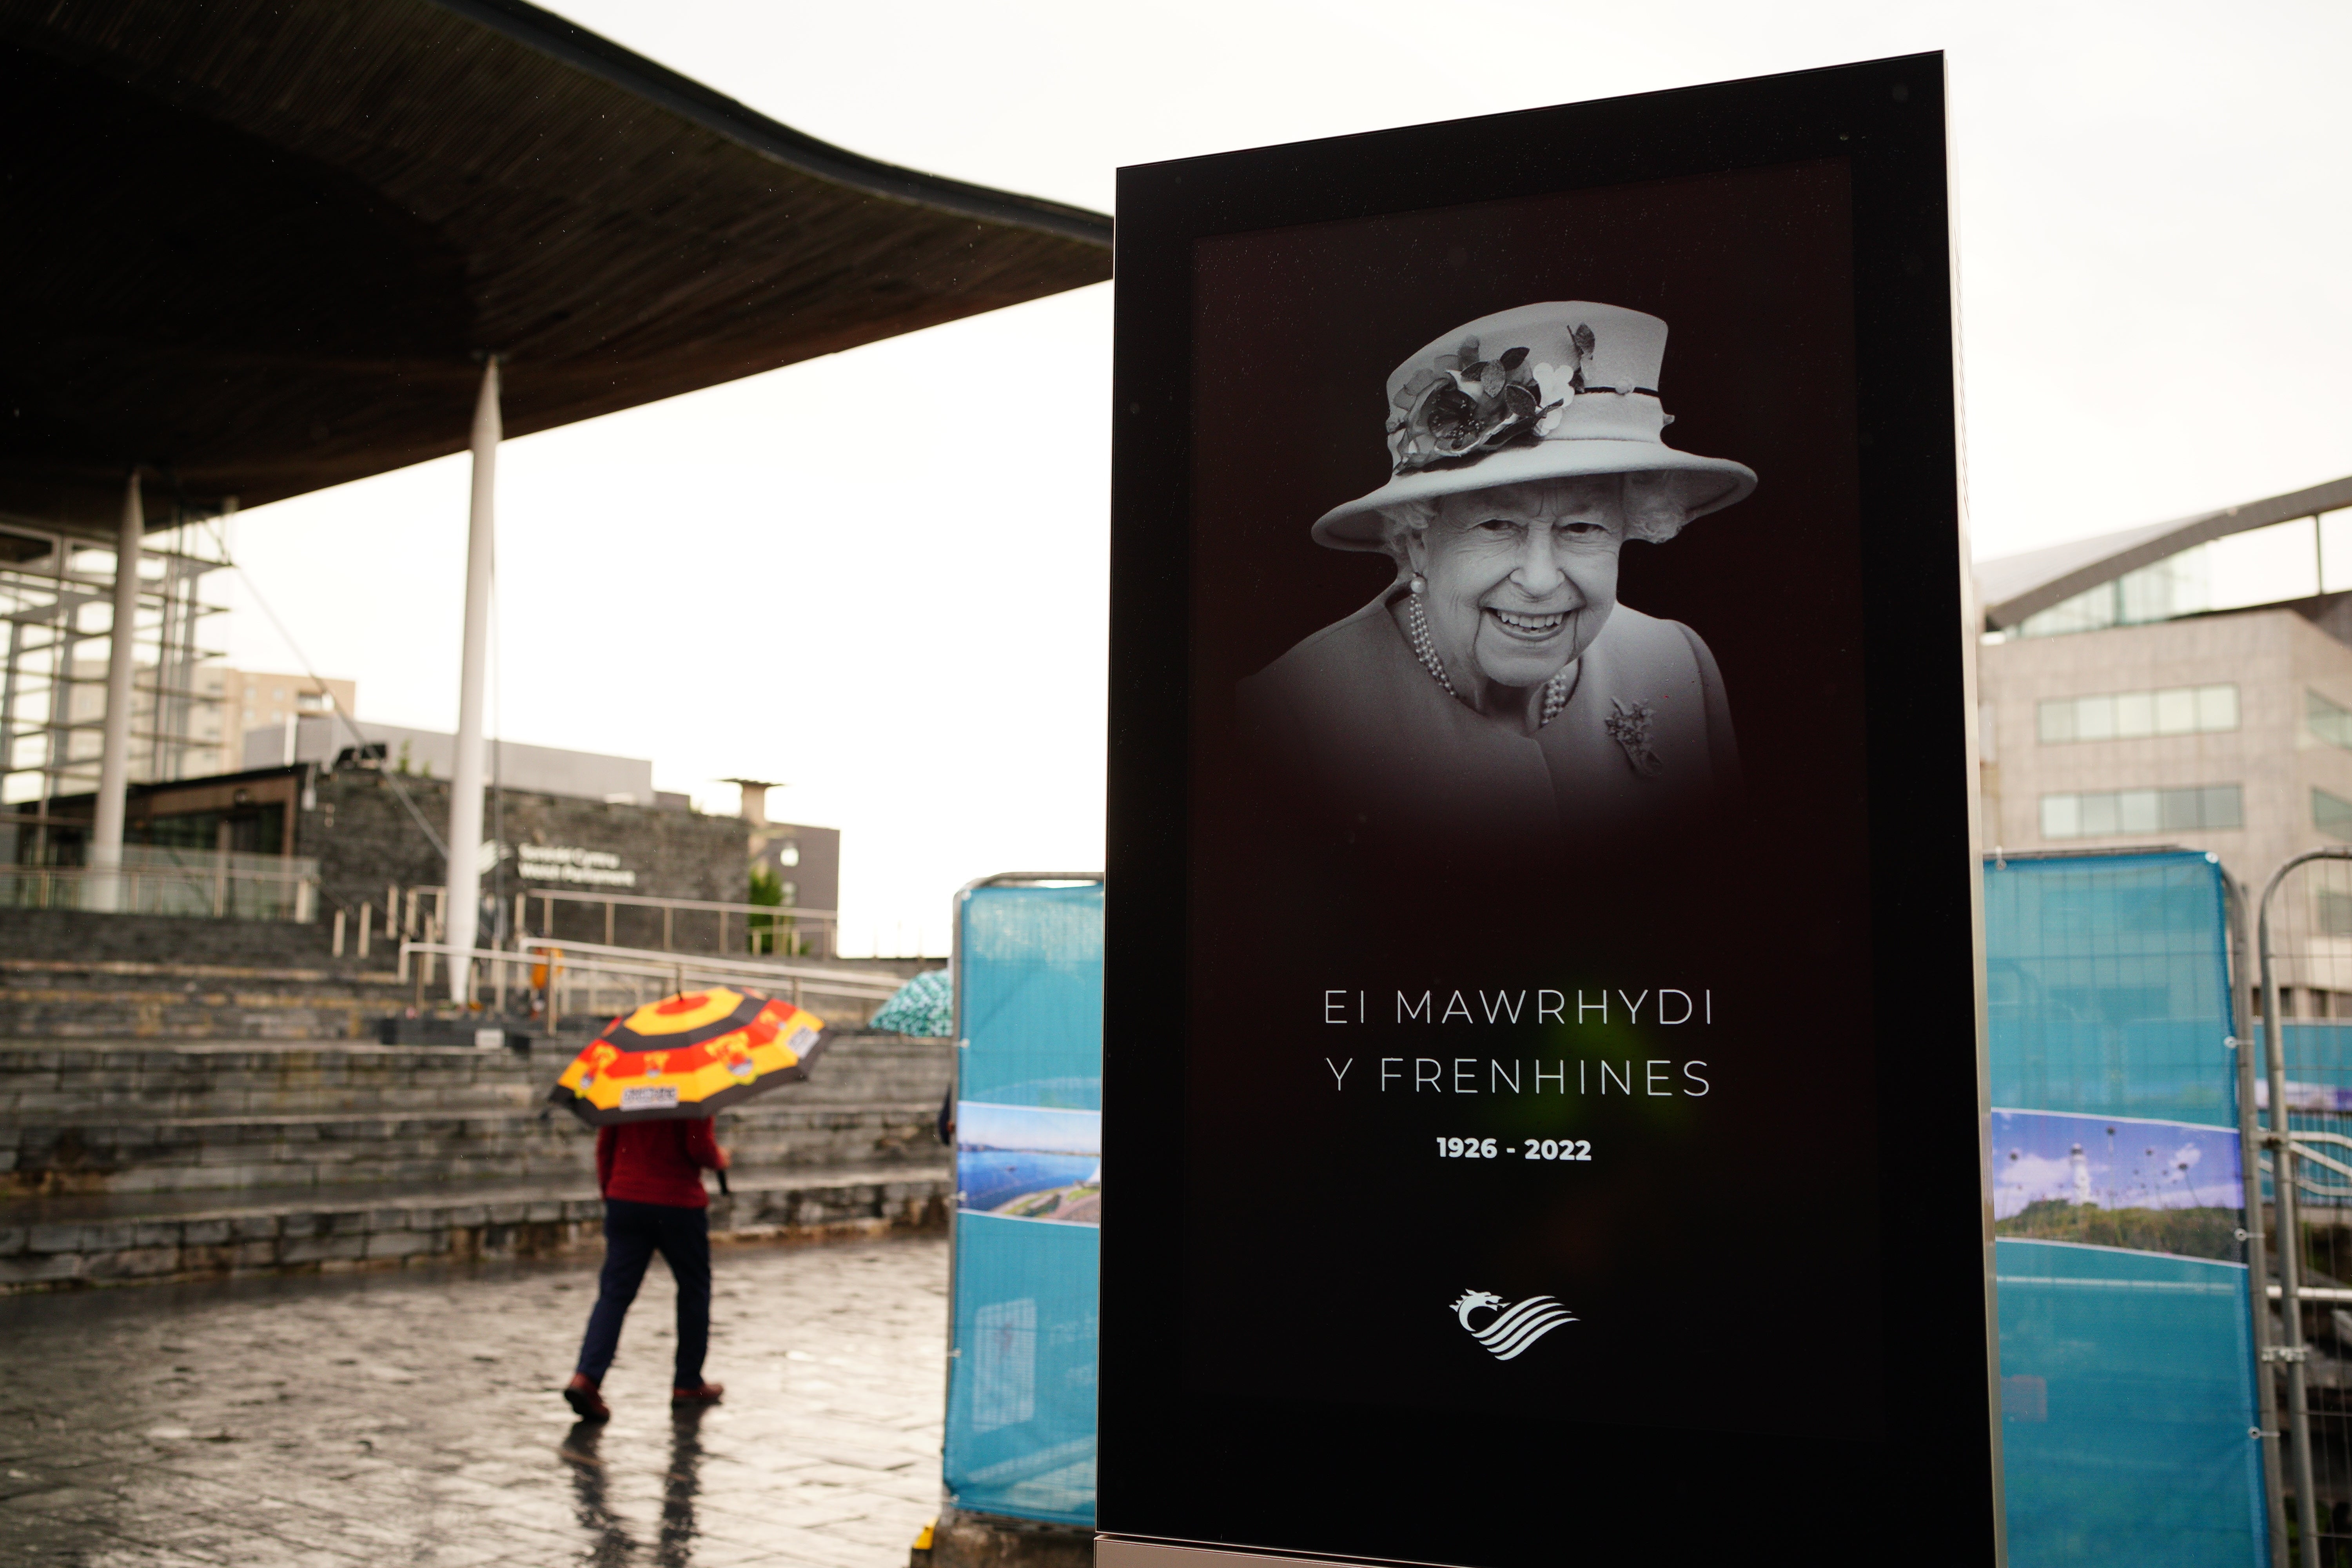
[(2156, 263)]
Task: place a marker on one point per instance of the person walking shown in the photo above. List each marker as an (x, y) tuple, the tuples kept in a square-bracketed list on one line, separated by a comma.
[(650, 1174)]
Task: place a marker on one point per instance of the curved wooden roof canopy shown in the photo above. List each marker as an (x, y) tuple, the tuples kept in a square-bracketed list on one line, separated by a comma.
[(258, 247)]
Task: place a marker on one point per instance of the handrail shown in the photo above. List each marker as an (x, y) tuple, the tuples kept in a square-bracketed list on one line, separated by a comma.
[(677, 968), (648, 900), (823, 925), (287, 889), (750, 968)]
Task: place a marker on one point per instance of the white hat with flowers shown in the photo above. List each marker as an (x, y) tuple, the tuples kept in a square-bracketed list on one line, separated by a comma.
[(1543, 392)]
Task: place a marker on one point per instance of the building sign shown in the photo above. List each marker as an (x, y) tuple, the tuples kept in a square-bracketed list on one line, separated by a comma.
[(571, 863), (1542, 1061)]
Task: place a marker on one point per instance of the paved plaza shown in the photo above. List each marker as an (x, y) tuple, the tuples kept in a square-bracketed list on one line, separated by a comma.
[(413, 1418)]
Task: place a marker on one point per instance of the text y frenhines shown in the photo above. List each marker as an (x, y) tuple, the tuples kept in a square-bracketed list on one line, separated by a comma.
[(1460, 1075)]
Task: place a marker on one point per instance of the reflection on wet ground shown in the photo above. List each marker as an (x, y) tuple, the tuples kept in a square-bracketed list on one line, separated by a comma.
[(414, 1418)]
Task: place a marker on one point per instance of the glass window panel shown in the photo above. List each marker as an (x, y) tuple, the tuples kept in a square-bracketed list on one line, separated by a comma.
[(2216, 706), (2061, 816), (2262, 566), (2223, 806), (2136, 812), (2335, 914), (2332, 814), (2335, 548), (2329, 722), (2176, 585), (2088, 611), (2057, 721), (2095, 718), (2134, 714), (2098, 813), (2176, 712), (2177, 809)]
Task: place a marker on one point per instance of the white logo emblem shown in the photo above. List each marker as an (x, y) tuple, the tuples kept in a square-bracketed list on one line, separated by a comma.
[(1513, 1328)]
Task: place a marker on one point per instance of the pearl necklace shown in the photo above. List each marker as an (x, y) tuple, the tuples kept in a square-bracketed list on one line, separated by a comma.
[(1556, 691)]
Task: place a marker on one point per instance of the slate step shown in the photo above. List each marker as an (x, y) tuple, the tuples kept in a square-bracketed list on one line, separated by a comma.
[(191, 1154), (58, 1083), (161, 1118), (49, 1244), (63, 999)]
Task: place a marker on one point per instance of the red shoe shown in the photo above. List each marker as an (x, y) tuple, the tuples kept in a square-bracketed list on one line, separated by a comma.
[(585, 1402), (708, 1394)]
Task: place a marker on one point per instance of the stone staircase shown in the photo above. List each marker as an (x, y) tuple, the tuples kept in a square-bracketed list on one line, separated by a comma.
[(225, 1151), (47, 998)]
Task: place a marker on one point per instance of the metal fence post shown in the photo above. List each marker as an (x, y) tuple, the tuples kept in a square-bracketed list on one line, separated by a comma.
[(2284, 1174), (2250, 1154)]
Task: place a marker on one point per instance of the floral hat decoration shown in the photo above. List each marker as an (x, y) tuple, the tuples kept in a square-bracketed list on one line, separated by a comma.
[(1543, 392)]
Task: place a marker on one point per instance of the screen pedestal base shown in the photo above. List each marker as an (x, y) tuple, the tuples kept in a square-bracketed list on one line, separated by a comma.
[(1119, 1552)]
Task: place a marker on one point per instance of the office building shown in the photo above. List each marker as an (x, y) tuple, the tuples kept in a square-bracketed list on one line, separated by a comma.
[(2188, 683)]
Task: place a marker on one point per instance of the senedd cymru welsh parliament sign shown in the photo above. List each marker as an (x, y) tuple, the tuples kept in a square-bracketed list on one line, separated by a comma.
[(1543, 1054)]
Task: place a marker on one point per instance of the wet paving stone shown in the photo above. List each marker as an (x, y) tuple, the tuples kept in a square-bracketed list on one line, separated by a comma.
[(413, 1419)]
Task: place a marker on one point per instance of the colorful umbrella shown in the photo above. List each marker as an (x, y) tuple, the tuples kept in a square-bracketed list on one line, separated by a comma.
[(689, 1057), (924, 1005)]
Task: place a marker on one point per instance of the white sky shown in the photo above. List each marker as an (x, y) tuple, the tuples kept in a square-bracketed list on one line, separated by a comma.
[(2155, 257)]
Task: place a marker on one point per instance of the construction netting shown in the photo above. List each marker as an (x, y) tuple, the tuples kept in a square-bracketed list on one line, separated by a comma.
[(2129, 1420), (1028, 1114)]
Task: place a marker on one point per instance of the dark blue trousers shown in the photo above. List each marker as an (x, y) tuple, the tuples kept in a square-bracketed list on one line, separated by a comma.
[(632, 1234)]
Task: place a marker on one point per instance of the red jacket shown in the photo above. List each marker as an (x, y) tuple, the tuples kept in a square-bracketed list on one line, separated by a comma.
[(657, 1162)]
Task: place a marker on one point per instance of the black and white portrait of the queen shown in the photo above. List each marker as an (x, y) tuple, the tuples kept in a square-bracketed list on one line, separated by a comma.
[(1496, 691)]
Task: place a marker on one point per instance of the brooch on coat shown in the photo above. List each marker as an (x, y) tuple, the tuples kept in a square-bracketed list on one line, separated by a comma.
[(1628, 724)]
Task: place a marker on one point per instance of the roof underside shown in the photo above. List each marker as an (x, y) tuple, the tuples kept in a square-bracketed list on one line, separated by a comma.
[(260, 248)]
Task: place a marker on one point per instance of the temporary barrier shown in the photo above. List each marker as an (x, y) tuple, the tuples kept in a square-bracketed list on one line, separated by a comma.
[(1028, 1114), (2131, 1429), (2303, 917)]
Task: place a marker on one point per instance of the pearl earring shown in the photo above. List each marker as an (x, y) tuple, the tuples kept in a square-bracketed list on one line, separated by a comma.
[(1420, 583)]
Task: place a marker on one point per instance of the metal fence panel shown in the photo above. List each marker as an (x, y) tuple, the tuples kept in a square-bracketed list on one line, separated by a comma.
[(2310, 929), (1020, 1384), (2130, 1421)]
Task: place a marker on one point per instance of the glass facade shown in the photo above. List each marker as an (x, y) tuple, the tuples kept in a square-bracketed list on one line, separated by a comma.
[(2291, 560), (2103, 813), (2176, 710)]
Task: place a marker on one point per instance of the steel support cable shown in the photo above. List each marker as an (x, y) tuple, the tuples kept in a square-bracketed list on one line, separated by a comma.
[(334, 703)]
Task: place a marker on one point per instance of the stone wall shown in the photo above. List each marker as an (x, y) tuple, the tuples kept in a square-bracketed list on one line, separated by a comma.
[(365, 839)]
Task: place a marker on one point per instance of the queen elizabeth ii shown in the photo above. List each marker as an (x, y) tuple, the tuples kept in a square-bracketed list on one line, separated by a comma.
[(1497, 693)]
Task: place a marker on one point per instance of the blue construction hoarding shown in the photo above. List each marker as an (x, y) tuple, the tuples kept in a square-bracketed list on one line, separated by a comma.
[(2129, 1426), (1021, 1381)]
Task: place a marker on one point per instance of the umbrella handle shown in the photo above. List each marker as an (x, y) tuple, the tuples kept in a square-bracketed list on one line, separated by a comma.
[(722, 1182)]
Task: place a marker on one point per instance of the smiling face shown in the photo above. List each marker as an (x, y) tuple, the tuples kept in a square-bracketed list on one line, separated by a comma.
[(1520, 579)]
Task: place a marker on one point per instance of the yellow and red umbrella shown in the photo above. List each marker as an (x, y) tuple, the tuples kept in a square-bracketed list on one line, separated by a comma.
[(689, 1057)]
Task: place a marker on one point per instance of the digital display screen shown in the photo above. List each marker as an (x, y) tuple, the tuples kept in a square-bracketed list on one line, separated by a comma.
[(1530, 1046)]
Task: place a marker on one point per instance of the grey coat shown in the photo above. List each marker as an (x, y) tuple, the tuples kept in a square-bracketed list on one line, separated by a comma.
[(1350, 721)]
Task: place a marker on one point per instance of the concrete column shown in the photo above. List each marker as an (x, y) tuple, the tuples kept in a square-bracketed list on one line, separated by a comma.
[(104, 888), (466, 773)]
